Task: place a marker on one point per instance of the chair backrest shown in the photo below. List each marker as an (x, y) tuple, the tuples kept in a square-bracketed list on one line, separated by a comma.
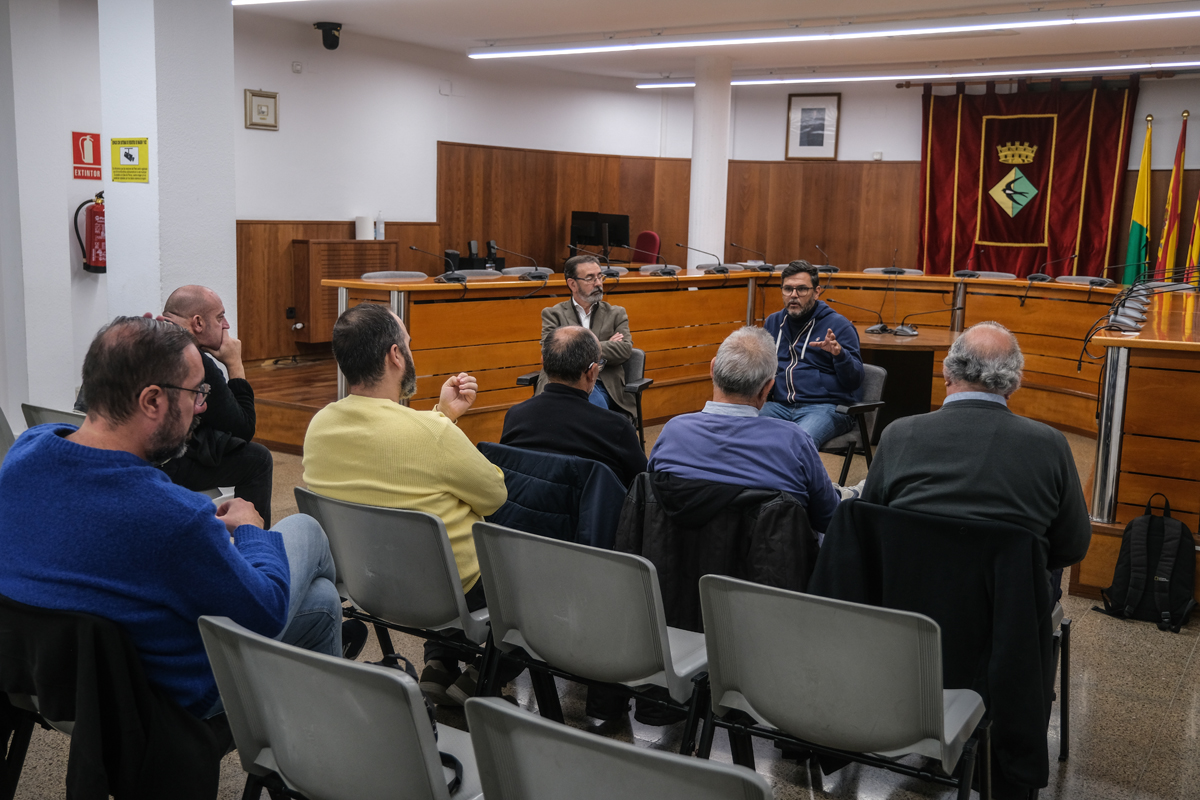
[(635, 366), (525, 757), (328, 726), (7, 439), (394, 564), (592, 612), (394, 275), (840, 674), (874, 379), (646, 247), (39, 415)]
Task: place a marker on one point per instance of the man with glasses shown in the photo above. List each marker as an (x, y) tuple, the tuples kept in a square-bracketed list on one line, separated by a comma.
[(562, 420), (820, 366), (610, 323), (87, 523)]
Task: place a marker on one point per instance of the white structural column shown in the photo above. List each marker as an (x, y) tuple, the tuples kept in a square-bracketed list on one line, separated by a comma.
[(37, 263), (166, 74), (710, 159)]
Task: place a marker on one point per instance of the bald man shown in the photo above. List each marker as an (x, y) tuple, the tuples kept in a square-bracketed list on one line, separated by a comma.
[(221, 453)]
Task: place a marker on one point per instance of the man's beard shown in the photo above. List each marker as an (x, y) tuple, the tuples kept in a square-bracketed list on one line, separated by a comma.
[(803, 312), (166, 443), (596, 295), (408, 384)]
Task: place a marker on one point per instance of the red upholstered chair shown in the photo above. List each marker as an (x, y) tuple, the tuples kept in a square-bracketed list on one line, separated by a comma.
[(646, 247)]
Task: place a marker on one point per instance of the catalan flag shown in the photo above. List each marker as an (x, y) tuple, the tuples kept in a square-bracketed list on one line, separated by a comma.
[(1193, 251), (1139, 225), (1164, 268)]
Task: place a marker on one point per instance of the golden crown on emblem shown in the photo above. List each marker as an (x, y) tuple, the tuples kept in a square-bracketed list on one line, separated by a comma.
[(1016, 153)]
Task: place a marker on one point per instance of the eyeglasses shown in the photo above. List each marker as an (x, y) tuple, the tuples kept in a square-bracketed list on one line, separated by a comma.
[(800, 291), (201, 393), (599, 363), (598, 278)]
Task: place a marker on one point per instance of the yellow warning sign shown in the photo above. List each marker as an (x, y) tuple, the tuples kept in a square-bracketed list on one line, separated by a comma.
[(130, 160)]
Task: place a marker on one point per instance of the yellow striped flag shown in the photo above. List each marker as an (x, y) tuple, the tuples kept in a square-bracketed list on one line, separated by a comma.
[(1164, 268), (1193, 251), (1138, 254)]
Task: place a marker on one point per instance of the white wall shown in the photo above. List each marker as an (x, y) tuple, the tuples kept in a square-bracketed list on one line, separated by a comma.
[(14, 378), (1166, 99)]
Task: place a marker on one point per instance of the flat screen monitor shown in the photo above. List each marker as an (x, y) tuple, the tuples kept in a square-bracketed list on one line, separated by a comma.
[(587, 229)]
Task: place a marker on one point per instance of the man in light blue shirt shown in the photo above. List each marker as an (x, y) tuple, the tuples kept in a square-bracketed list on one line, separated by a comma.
[(728, 442)]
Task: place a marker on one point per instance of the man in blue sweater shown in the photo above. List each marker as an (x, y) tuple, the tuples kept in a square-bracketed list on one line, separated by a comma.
[(87, 523), (730, 442), (820, 367)]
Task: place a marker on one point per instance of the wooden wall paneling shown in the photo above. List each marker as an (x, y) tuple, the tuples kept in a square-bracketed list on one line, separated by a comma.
[(636, 193), (1153, 402), (672, 193), (425, 235), (314, 260), (1149, 455), (746, 204), (786, 210)]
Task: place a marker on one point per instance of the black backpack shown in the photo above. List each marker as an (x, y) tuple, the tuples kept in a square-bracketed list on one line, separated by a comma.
[(1163, 551)]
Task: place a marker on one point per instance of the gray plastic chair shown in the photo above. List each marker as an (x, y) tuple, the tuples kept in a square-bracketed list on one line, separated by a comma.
[(7, 439), (993, 275), (39, 415), (396, 568), (522, 757), (587, 613), (327, 727), (891, 271), (858, 440), (848, 679), (394, 275)]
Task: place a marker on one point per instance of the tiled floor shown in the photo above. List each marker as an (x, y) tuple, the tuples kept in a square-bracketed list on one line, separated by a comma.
[(1135, 711)]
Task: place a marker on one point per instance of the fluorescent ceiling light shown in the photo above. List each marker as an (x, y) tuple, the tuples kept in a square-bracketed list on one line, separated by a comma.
[(261, 2), (833, 33), (1086, 69)]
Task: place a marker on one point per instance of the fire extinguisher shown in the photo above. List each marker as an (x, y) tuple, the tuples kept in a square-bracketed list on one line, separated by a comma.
[(94, 259)]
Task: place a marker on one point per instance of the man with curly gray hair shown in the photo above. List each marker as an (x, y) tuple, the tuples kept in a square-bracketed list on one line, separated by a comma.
[(975, 459)]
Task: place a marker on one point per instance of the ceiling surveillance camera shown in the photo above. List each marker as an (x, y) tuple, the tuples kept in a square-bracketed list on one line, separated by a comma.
[(331, 34)]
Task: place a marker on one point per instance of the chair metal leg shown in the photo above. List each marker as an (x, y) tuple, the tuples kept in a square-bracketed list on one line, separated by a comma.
[(707, 731), (489, 669), (253, 788), (846, 465), (984, 759), (968, 770), (637, 401), (865, 437), (14, 757), (547, 695), (1064, 692), (695, 712), (741, 747), (385, 640)]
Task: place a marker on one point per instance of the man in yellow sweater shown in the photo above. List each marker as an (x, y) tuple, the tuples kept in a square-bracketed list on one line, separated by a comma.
[(368, 448)]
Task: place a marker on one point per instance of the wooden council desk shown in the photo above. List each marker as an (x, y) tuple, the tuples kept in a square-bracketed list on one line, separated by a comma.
[(1149, 438)]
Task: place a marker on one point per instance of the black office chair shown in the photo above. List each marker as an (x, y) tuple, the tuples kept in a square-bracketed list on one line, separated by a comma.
[(858, 439), (636, 382)]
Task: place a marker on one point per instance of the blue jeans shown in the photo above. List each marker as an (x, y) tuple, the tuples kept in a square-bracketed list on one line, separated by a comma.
[(599, 396), (820, 420), (314, 618)]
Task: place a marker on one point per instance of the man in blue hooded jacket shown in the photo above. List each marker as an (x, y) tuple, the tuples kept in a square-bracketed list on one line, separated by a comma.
[(820, 366)]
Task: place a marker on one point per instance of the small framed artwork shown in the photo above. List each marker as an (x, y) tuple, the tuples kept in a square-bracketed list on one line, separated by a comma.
[(812, 127), (262, 110)]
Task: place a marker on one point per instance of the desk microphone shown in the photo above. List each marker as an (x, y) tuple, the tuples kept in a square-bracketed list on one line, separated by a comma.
[(1041, 277), (967, 272), (537, 272), (698, 250), (822, 252), (880, 327), (905, 329), (446, 277), (749, 250), (608, 271)]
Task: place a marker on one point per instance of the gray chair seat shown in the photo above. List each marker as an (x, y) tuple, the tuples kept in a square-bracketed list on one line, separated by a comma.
[(993, 275), (892, 271), (522, 757), (1085, 280), (327, 727), (526, 270), (40, 415), (647, 269)]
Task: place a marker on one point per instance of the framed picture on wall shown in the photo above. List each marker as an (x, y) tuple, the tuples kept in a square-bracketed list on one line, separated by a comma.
[(262, 110), (812, 127)]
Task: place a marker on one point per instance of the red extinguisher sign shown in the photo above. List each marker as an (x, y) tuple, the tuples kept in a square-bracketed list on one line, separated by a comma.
[(85, 155)]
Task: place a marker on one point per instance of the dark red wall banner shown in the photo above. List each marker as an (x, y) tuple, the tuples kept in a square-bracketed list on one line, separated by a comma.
[(1021, 182)]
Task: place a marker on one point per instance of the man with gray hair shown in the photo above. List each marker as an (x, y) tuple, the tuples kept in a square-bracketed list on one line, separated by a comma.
[(728, 442), (975, 459)]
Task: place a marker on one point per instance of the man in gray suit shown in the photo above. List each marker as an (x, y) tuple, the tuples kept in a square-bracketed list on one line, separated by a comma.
[(975, 459), (610, 324)]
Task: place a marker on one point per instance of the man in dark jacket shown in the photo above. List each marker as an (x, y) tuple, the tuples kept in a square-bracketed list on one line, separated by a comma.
[(820, 366), (220, 453), (561, 420), (975, 459)]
